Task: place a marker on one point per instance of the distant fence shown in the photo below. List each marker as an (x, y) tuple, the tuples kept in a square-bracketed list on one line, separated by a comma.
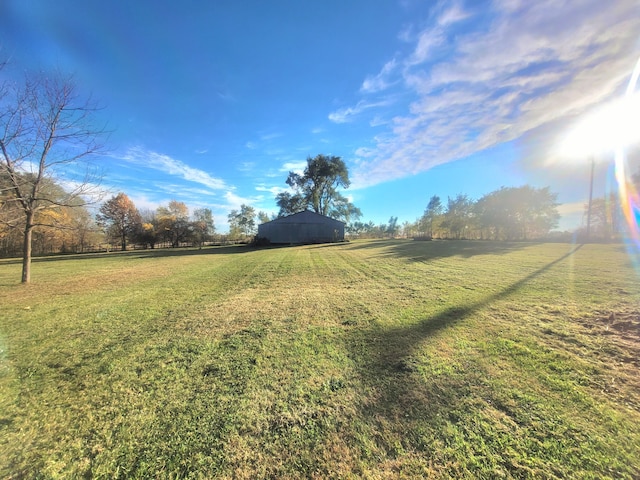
[(113, 247)]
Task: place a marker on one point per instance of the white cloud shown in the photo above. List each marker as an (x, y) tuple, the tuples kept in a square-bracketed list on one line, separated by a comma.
[(143, 202), (297, 167), (347, 114), (172, 166), (572, 215), (90, 192), (234, 202), (531, 64), (454, 13), (571, 208)]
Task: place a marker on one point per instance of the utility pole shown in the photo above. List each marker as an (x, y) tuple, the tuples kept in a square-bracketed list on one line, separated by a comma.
[(593, 162)]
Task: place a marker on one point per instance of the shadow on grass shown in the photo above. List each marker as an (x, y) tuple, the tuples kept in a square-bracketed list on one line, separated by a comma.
[(150, 253), (421, 251), (386, 360)]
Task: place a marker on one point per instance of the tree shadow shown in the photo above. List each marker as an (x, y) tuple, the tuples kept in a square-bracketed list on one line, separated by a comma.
[(421, 251), (328, 245), (386, 362), (147, 253)]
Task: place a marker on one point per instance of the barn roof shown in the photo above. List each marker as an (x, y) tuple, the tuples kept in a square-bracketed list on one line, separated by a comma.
[(306, 216)]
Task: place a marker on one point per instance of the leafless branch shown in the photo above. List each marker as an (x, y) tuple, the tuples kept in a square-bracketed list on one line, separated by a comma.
[(44, 125)]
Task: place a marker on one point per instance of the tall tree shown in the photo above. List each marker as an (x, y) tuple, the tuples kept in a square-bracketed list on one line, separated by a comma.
[(203, 225), (517, 213), (120, 218), (147, 234), (494, 215), (392, 226), (263, 217), (83, 232), (242, 223), (173, 222), (46, 131), (317, 187), (431, 214), (458, 215), (605, 217), (540, 213), (344, 210), (290, 203)]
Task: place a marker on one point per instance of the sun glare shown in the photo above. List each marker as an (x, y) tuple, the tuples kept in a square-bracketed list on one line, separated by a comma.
[(616, 125), (612, 130)]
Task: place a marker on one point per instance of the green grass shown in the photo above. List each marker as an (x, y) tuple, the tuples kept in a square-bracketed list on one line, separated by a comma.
[(378, 359)]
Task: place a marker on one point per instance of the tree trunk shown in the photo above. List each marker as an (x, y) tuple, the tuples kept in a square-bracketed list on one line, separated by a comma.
[(124, 241), (26, 249)]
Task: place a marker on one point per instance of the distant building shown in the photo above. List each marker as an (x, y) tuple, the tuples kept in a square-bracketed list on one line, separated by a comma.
[(302, 227)]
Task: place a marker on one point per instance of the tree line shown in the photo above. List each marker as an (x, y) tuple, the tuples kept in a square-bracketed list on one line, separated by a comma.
[(509, 213), (169, 225), (48, 131)]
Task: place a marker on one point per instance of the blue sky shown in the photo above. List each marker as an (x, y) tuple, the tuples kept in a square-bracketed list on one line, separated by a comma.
[(212, 103)]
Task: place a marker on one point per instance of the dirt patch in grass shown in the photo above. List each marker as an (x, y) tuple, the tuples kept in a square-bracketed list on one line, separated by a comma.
[(622, 329), (610, 341), (623, 325)]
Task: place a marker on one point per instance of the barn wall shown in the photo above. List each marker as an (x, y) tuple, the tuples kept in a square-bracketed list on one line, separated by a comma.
[(290, 231)]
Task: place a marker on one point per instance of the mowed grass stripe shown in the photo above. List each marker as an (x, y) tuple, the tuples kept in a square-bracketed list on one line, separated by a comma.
[(375, 359)]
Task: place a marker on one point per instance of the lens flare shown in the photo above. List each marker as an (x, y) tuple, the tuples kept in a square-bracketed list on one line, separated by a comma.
[(629, 198)]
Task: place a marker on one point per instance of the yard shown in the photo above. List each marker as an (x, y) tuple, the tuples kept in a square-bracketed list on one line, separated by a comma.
[(372, 359)]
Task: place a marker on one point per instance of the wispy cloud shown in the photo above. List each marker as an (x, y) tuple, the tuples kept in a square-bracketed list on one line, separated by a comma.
[(246, 166), (273, 190), (381, 81), (270, 136), (172, 166), (347, 114), (435, 36), (453, 13), (514, 68)]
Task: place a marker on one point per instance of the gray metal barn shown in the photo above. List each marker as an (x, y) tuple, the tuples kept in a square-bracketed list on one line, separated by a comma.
[(302, 227)]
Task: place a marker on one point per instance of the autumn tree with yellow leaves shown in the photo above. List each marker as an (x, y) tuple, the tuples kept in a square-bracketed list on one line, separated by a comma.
[(120, 219)]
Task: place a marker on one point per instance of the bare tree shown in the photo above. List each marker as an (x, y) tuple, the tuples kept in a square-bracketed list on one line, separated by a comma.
[(47, 132)]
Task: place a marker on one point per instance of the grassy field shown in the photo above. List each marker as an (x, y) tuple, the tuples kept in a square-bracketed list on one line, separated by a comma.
[(377, 359)]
